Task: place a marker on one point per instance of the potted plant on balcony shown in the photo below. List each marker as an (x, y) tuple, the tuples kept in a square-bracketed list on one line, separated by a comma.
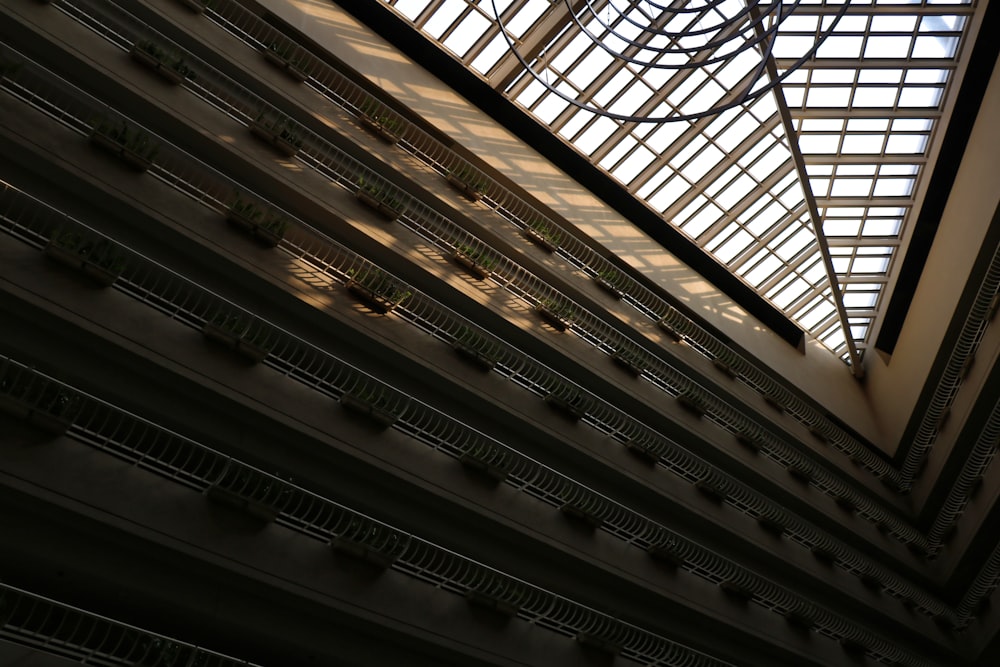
[(104, 263), (44, 403), (374, 543), (279, 132), (469, 181), (376, 288), (240, 332), (380, 197), (170, 66), (751, 438), (376, 117), (254, 493), (544, 234), (557, 312), (674, 324), (371, 402), (288, 57), (244, 214), (646, 448), (135, 147), (695, 400), (99, 258), (712, 489), (726, 361), (271, 230), (570, 401), (772, 524), (631, 358), (818, 431), (476, 348), (666, 550), (498, 593), (801, 472), (608, 280), (492, 460), (66, 246), (479, 262), (264, 225), (582, 505), (774, 399)]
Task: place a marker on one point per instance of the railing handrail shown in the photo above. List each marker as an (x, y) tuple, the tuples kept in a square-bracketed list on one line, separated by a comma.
[(542, 482), (352, 97), (298, 508), (320, 154), (28, 627), (851, 560)]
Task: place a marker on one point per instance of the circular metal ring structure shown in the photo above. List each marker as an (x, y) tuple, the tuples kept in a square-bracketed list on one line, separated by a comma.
[(680, 36)]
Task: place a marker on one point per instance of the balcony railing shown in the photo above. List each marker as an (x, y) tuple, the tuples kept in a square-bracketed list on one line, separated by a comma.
[(269, 497), (341, 168), (87, 638), (23, 217), (192, 177), (341, 90)]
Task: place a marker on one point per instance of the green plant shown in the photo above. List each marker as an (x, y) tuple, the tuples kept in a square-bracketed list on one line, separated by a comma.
[(67, 239), (152, 49), (138, 142), (390, 124), (167, 59), (482, 258), (470, 177), (282, 128), (382, 194), (370, 107), (546, 231), (107, 255), (630, 358), (180, 66), (569, 399), (610, 276), (559, 308), (259, 216), (379, 113), (380, 284), (247, 209), (275, 224), (472, 340), (97, 251)]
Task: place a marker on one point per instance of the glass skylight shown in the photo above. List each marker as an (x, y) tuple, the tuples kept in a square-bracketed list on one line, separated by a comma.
[(864, 119)]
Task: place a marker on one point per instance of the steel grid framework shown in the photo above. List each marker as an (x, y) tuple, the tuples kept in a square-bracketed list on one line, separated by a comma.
[(864, 112)]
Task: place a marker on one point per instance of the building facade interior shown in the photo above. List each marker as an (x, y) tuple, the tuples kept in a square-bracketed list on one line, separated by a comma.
[(499, 333)]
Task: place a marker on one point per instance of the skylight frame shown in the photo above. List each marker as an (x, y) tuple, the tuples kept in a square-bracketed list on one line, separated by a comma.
[(637, 155)]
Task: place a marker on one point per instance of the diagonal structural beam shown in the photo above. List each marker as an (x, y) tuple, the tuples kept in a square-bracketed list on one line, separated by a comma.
[(800, 167)]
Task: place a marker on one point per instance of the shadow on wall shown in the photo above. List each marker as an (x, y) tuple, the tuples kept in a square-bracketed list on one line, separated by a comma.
[(451, 114)]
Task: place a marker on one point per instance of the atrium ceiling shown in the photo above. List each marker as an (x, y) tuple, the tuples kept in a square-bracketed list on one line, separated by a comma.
[(745, 144)]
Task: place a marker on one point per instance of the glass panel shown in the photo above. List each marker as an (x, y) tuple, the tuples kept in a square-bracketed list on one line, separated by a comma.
[(728, 180)]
